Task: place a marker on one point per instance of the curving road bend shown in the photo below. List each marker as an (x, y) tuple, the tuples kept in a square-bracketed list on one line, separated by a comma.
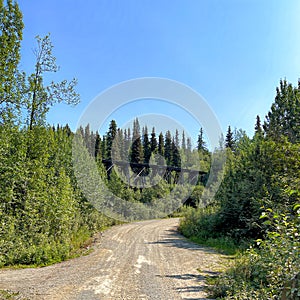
[(142, 260)]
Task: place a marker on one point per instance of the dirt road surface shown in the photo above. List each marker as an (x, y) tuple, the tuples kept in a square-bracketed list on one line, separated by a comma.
[(143, 260)]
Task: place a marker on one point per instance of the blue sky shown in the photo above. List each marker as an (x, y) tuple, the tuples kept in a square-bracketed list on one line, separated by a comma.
[(232, 52)]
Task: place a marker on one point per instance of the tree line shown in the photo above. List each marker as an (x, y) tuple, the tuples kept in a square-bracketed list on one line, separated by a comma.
[(120, 145)]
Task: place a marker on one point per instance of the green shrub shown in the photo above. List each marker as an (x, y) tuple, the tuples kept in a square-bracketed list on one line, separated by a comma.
[(201, 226), (271, 268)]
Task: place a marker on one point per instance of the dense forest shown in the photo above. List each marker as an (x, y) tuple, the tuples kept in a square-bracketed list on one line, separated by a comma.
[(46, 214), (160, 172)]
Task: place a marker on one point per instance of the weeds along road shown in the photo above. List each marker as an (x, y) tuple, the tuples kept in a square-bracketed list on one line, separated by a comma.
[(143, 260)]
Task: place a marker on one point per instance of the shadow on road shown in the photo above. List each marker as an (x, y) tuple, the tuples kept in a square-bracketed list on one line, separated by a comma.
[(192, 289), (173, 238)]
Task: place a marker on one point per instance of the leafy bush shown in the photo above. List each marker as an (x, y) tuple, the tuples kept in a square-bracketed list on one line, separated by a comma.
[(201, 226), (44, 216), (271, 268)]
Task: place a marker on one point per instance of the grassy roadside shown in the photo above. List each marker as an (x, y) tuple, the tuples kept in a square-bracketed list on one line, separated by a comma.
[(84, 246), (230, 253), (263, 269), (222, 245), (10, 295)]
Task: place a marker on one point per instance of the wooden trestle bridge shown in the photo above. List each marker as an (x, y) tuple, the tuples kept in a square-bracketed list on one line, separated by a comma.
[(142, 171)]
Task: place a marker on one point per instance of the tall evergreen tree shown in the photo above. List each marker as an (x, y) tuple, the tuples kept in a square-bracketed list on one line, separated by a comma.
[(284, 117), (176, 140), (88, 139), (258, 128), (68, 130), (189, 145), (146, 145), (110, 136), (98, 154), (127, 143), (153, 141), (176, 160), (122, 145), (201, 145), (183, 142), (161, 148), (117, 146), (104, 147), (168, 148), (229, 140), (136, 155), (188, 151)]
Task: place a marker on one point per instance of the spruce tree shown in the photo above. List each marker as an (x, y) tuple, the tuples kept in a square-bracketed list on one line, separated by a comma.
[(146, 145), (284, 117), (183, 142), (188, 151), (201, 145), (160, 148), (168, 148), (122, 144), (176, 140), (127, 143), (118, 146), (88, 139), (104, 147), (68, 130), (98, 149), (176, 160), (229, 140), (153, 141), (136, 154), (258, 127), (110, 136)]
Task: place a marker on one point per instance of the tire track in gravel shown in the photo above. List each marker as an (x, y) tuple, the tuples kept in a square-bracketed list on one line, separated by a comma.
[(142, 260)]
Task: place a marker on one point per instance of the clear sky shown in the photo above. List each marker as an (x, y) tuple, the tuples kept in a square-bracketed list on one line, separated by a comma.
[(232, 52)]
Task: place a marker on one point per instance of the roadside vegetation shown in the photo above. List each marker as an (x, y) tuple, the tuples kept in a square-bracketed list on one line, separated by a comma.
[(45, 217), (258, 205)]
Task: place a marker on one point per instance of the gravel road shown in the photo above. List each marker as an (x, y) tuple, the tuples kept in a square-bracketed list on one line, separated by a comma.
[(142, 260)]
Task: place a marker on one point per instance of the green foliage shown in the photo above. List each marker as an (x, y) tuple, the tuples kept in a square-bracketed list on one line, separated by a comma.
[(44, 217), (11, 26), (256, 175), (283, 118), (259, 200), (5, 295), (136, 153), (201, 226), (229, 140), (146, 145), (201, 145), (199, 222), (40, 98), (269, 270)]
